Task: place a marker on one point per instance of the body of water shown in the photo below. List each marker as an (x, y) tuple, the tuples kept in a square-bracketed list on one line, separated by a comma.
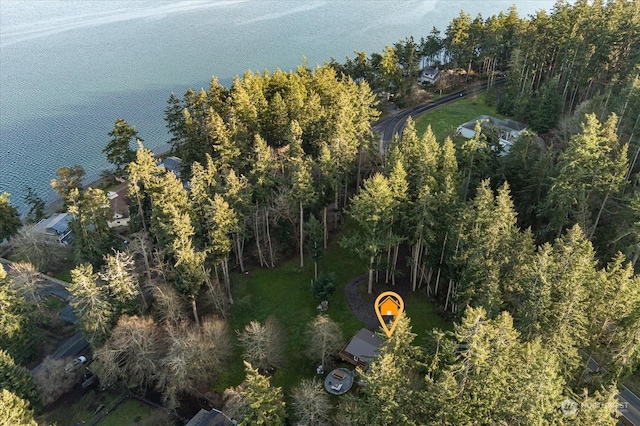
[(69, 68)]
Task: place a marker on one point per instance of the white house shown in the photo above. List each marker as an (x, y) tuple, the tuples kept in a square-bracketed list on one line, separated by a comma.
[(509, 130), (429, 75)]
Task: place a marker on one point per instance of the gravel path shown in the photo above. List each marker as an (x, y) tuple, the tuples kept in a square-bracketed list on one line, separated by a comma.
[(363, 309), (360, 308)]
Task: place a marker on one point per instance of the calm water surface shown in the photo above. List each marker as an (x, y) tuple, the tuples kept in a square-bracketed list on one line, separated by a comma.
[(69, 68)]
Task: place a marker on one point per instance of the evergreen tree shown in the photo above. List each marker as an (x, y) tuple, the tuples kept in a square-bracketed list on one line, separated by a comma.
[(237, 193), (68, 179), (15, 410), (17, 322), (526, 168), (555, 298), (613, 322), (314, 232), (495, 376), (393, 382), (222, 223), (546, 107), (91, 302), (492, 252), (17, 380), (118, 150), (372, 210), (120, 277), (143, 181), (36, 202), (92, 236), (264, 404), (590, 170), (10, 221)]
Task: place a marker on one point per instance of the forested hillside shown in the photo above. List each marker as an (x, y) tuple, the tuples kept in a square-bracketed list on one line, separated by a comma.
[(532, 253)]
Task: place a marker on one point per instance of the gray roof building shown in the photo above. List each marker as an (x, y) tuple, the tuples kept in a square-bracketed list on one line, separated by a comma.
[(56, 226), (509, 130), (362, 348), (171, 164), (210, 418)]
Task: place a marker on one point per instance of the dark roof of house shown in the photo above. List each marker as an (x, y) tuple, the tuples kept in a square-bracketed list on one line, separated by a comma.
[(119, 200), (432, 72), (209, 418), (364, 344)]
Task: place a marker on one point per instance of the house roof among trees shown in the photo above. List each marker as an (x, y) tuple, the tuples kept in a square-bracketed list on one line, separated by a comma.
[(209, 418), (56, 224), (505, 125), (171, 164), (119, 200), (362, 347)]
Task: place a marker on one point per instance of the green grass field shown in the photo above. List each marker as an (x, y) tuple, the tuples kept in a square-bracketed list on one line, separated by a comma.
[(445, 120), (285, 293), (130, 412)]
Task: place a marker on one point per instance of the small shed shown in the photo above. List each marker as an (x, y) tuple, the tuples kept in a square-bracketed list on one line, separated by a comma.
[(362, 348)]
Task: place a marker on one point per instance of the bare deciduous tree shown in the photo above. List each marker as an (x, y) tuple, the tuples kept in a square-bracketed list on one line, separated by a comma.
[(169, 307), (133, 353), (39, 249), (310, 404), (324, 338), (52, 381), (27, 281), (140, 246), (196, 355), (264, 344), (234, 404)]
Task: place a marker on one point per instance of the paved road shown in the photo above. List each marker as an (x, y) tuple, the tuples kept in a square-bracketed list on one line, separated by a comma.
[(394, 125), (629, 403)]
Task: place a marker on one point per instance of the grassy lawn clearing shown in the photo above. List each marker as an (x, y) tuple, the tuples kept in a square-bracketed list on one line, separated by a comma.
[(74, 409), (64, 275), (131, 413), (70, 410), (285, 293), (445, 120)]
